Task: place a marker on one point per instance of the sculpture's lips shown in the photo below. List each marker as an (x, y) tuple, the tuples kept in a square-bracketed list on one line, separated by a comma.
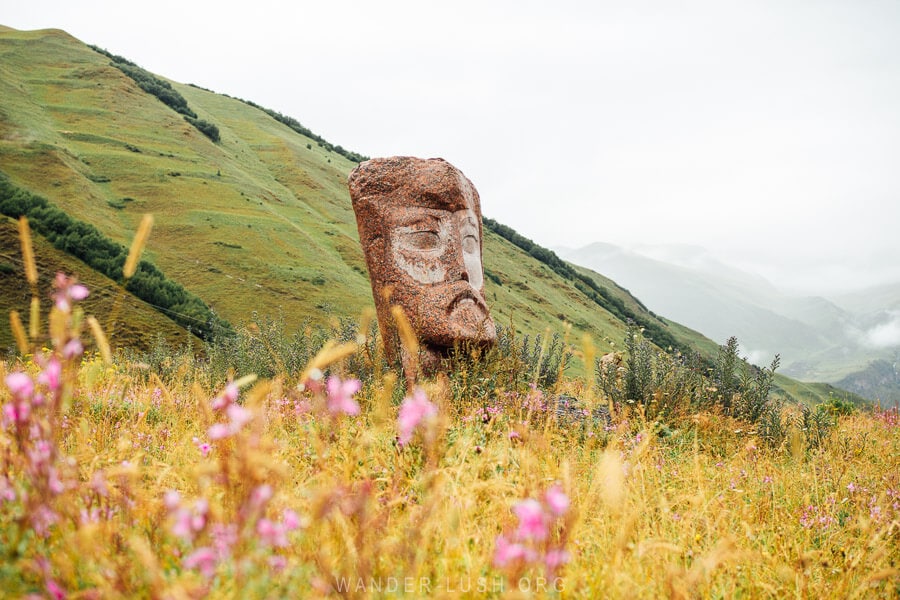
[(467, 299)]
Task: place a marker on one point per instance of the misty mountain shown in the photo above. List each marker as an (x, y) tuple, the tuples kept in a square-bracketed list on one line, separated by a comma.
[(818, 338)]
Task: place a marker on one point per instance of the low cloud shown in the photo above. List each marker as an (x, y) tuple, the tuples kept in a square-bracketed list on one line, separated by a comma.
[(884, 335), (756, 357)]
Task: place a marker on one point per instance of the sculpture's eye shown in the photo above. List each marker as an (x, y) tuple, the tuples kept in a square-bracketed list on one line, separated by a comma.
[(422, 240), (470, 244)]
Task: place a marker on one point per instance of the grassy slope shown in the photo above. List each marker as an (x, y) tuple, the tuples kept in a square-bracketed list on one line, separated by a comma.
[(258, 215), (259, 223), (125, 319)]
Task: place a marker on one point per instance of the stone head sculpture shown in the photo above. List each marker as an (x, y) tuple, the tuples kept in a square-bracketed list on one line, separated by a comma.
[(420, 228)]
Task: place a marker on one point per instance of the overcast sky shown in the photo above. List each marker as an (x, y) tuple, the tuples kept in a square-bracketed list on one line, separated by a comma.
[(766, 131)]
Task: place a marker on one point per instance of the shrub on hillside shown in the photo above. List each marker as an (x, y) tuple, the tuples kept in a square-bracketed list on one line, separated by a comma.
[(665, 386), (155, 86), (163, 91), (88, 244), (204, 127), (661, 385)]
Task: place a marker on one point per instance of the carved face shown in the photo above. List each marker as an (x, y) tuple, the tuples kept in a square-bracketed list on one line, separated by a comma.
[(435, 259), (421, 233)]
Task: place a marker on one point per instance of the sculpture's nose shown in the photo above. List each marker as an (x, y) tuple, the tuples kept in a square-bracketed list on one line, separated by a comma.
[(460, 270)]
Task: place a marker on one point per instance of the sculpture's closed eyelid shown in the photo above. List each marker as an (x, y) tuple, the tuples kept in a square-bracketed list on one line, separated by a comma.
[(421, 239)]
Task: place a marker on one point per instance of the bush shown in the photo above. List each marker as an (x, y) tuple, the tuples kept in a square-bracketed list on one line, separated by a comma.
[(665, 386), (155, 86), (204, 127), (536, 360), (661, 385), (164, 92)]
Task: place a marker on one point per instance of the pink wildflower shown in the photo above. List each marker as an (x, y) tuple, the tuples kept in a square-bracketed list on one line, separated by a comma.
[(7, 491), (556, 558), (238, 417), (224, 537), (218, 431), (228, 396), (261, 495), (202, 559), (55, 590), (277, 562), (506, 552), (16, 413), (271, 533), (182, 526), (532, 520), (187, 522), (51, 375), (78, 292), (89, 516), (412, 412), (198, 519), (20, 384), (67, 292), (73, 349), (291, 520), (172, 499), (340, 395), (557, 501), (53, 481), (42, 518)]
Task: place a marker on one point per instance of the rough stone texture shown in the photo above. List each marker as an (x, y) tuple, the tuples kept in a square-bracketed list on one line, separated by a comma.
[(420, 228)]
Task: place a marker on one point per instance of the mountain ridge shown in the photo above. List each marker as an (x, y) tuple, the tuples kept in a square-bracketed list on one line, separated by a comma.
[(817, 338)]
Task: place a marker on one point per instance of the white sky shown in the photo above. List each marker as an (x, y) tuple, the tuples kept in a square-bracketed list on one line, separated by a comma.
[(766, 131)]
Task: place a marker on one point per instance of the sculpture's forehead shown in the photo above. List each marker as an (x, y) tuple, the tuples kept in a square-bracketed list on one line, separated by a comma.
[(401, 181), (421, 205)]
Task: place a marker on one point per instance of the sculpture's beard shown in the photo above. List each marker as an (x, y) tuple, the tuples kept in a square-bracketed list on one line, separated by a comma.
[(449, 314), (468, 316)]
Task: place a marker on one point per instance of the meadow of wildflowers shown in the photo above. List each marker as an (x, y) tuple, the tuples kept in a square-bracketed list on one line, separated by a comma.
[(117, 481)]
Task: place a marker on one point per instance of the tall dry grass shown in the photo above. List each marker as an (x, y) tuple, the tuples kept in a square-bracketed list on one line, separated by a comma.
[(120, 481)]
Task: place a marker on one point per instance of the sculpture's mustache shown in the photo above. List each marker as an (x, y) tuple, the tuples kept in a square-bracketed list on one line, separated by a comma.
[(463, 291)]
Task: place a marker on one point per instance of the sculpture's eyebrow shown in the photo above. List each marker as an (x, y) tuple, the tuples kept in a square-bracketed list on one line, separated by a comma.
[(470, 220), (421, 220)]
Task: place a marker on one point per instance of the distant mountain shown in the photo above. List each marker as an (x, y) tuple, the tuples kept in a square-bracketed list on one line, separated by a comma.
[(879, 298), (818, 338), (879, 380), (693, 288)]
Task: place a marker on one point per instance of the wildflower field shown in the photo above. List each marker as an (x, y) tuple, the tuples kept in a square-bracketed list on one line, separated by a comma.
[(181, 474)]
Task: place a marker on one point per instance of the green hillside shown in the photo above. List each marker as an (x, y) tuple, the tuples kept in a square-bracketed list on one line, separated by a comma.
[(257, 223), (123, 317)]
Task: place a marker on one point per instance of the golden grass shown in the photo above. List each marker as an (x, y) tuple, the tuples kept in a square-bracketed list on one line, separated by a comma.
[(137, 246), (705, 512)]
